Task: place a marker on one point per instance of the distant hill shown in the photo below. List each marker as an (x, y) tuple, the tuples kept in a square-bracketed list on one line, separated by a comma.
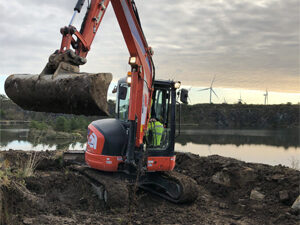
[(205, 116), (241, 116)]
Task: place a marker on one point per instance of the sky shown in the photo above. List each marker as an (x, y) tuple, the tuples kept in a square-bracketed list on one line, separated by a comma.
[(248, 45)]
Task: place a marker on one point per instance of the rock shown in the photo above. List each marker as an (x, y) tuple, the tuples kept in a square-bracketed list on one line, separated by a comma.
[(28, 221), (294, 212), (296, 204), (221, 178), (241, 206), (236, 217), (223, 205), (256, 195), (246, 175), (283, 195), (277, 177)]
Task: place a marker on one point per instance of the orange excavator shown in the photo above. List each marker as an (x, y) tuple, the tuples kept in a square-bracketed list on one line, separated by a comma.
[(138, 145)]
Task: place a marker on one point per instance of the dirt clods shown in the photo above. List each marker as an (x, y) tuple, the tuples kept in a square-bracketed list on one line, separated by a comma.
[(230, 192)]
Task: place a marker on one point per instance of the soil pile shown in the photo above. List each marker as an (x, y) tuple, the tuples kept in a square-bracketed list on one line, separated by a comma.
[(230, 192)]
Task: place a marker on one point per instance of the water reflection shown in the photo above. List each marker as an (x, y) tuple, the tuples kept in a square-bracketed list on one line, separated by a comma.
[(270, 146), (17, 138), (249, 153), (284, 138)]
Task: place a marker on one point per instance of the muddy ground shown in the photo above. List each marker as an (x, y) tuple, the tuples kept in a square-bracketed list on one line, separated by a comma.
[(230, 192)]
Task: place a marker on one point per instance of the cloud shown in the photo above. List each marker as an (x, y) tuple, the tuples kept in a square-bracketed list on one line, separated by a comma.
[(247, 44)]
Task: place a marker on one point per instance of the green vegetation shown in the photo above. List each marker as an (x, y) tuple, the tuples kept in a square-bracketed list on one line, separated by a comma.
[(71, 124), (38, 125), (62, 123), (2, 113)]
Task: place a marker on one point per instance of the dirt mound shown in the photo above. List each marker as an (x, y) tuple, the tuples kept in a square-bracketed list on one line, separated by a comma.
[(230, 192), (233, 185)]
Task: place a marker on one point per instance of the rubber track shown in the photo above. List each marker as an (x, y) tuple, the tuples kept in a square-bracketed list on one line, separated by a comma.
[(117, 189), (189, 186), (118, 192)]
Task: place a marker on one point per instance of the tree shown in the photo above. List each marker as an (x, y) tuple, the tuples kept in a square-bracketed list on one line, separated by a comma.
[(61, 124), (38, 125), (74, 124), (2, 114)]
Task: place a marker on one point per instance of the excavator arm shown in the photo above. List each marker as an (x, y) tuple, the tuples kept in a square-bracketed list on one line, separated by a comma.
[(142, 72), (91, 22), (74, 48)]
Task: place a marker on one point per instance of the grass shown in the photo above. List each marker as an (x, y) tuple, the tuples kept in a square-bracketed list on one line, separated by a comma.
[(5, 173), (12, 176), (9, 174), (30, 165)]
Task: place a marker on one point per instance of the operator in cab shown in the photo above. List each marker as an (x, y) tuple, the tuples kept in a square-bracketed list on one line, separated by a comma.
[(155, 132)]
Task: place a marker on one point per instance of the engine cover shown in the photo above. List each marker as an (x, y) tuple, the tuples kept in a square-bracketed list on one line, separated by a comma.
[(106, 144), (107, 137)]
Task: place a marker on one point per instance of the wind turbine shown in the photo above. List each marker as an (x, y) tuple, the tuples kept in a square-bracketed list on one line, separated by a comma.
[(240, 100), (189, 95), (211, 90), (266, 97)]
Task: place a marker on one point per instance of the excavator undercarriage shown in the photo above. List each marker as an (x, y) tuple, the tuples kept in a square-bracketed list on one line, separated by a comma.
[(114, 187)]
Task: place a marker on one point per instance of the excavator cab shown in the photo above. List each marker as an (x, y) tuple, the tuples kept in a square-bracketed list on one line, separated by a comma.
[(109, 138), (162, 110)]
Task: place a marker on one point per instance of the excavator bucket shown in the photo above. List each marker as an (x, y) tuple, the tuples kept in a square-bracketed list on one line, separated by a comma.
[(60, 88)]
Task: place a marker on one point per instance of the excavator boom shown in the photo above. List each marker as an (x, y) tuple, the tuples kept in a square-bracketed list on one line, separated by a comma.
[(61, 88)]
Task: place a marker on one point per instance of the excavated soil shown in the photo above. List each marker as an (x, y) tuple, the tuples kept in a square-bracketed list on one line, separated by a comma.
[(56, 195)]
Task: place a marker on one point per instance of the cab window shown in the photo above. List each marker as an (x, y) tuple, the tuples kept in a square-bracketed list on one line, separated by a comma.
[(122, 108), (158, 132)]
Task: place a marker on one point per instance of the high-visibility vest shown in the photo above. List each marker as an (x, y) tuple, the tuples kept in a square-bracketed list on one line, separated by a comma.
[(157, 130)]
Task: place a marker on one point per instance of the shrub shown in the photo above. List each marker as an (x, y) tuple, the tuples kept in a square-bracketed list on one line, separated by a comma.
[(2, 114), (38, 125), (61, 124)]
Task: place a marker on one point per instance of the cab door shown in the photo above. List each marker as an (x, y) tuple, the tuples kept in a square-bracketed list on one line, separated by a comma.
[(160, 142)]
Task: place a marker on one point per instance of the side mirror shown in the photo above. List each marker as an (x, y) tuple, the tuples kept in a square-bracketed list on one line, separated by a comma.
[(114, 90), (122, 92), (184, 95)]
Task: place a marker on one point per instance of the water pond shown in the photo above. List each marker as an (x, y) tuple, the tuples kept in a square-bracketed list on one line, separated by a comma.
[(271, 147)]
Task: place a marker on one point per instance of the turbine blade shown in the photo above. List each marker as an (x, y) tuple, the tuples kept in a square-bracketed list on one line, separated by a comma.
[(204, 89), (213, 80), (215, 93)]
